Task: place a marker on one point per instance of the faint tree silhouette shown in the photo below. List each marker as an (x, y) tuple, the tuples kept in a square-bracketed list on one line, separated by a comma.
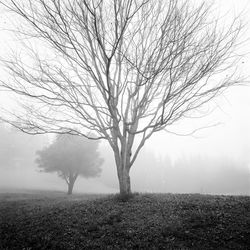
[(71, 156), (17, 149)]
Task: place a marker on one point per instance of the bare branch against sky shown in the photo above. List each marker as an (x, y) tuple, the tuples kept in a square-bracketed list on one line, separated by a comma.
[(121, 69)]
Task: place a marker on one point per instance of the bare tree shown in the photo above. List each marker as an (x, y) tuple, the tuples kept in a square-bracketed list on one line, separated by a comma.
[(121, 69)]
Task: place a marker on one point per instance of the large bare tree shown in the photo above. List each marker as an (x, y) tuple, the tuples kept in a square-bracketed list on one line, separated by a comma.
[(122, 69)]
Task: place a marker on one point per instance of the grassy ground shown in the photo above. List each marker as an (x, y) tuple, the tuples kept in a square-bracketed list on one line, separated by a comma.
[(147, 221)]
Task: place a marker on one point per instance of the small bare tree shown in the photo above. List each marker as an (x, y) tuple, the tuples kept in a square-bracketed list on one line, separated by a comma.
[(121, 69)]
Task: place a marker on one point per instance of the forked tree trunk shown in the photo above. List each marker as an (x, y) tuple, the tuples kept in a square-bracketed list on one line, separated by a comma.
[(124, 182), (123, 165)]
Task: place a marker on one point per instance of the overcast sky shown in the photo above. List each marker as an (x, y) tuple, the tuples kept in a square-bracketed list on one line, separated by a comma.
[(231, 135)]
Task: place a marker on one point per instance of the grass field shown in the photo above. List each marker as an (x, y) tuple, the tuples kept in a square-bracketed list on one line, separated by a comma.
[(52, 220)]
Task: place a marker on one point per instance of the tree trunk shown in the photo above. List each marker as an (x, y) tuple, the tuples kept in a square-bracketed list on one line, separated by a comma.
[(124, 182), (71, 181), (123, 165), (70, 187)]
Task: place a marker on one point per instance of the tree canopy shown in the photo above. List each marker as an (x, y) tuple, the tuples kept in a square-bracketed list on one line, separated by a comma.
[(71, 156)]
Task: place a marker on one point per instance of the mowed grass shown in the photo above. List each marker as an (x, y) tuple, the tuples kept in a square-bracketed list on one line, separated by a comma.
[(146, 221)]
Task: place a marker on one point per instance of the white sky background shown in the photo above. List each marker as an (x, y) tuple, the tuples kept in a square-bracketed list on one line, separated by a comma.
[(232, 135), (231, 138)]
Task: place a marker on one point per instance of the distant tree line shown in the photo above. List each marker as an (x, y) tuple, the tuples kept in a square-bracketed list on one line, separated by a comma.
[(18, 149), (197, 173)]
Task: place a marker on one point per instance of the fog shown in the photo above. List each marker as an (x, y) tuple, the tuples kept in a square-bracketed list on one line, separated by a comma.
[(213, 160), (194, 172)]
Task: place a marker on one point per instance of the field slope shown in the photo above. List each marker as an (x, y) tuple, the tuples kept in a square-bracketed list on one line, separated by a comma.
[(147, 221)]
